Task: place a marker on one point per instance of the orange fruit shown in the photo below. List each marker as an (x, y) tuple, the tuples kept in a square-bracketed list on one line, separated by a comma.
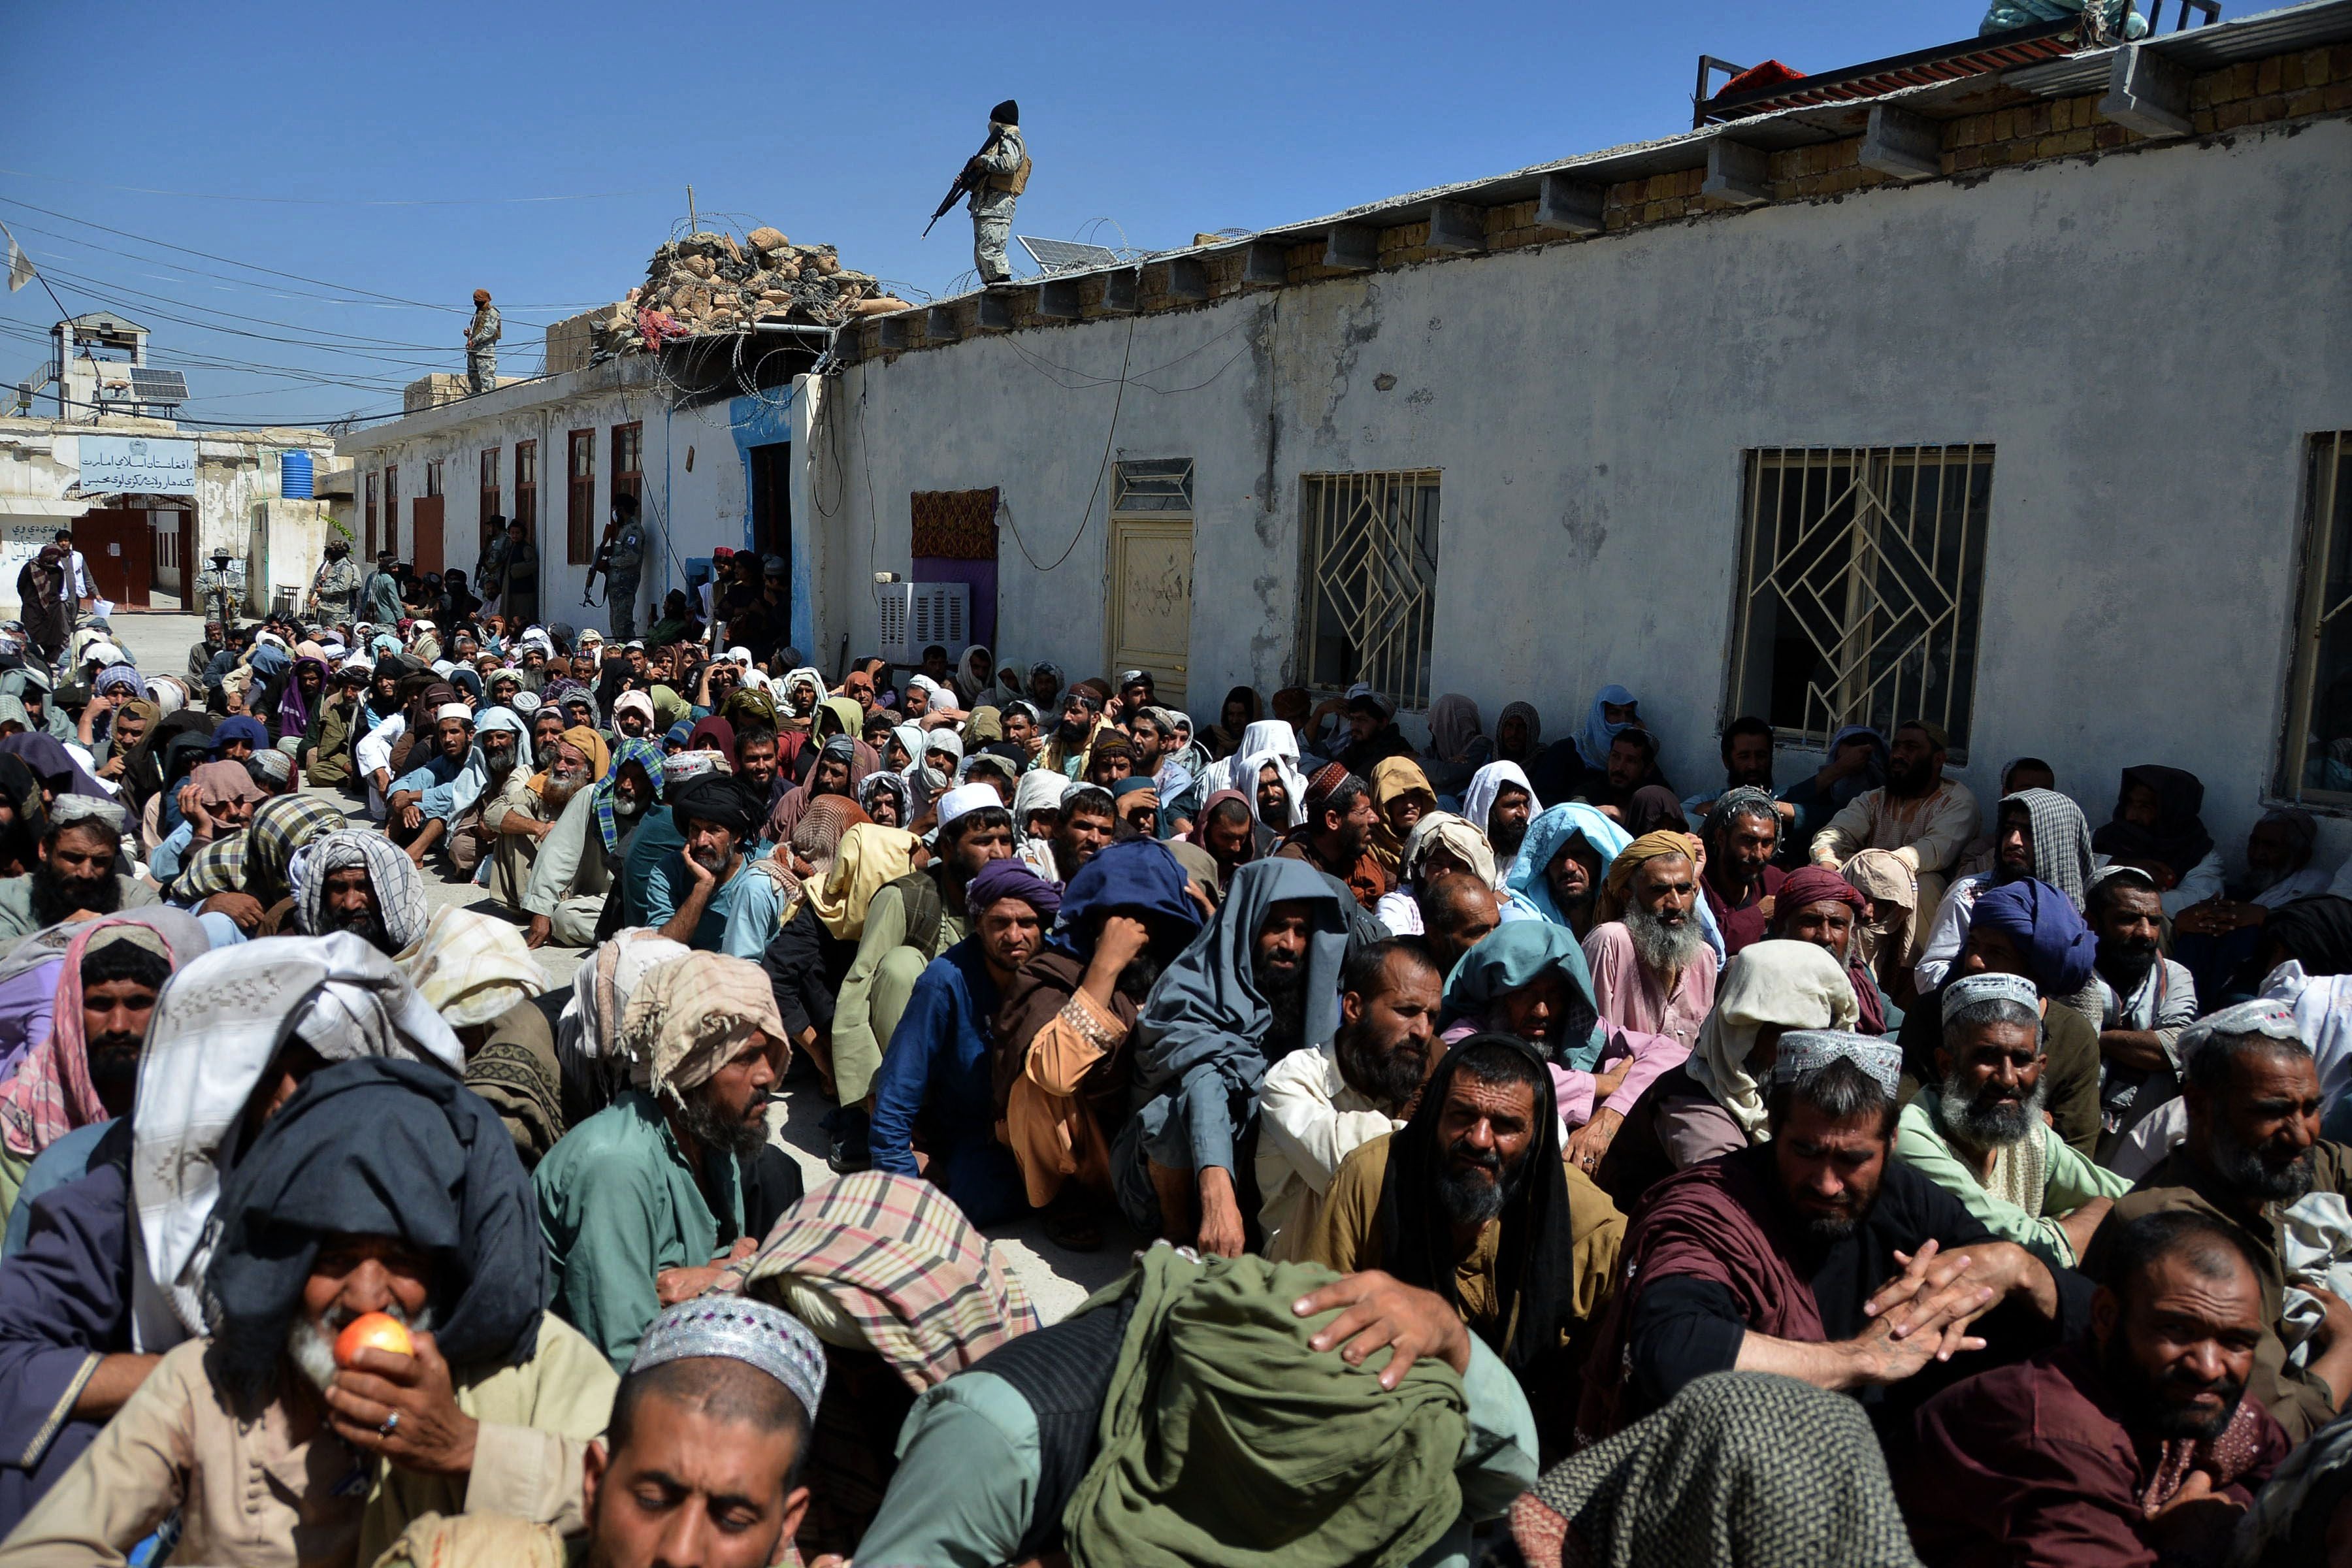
[(372, 1331)]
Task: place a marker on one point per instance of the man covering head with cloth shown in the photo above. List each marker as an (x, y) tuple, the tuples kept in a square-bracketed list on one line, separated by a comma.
[(248, 875), (903, 1294), (381, 1186), (1259, 982), (359, 882), (1714, 1103), (936, 1079), (1093, 1437), (651, 1183), (2038, 834)]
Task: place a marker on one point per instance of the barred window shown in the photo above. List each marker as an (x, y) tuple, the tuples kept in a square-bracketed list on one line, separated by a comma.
[(1370, 581), (1861, 588), (2316, 760)]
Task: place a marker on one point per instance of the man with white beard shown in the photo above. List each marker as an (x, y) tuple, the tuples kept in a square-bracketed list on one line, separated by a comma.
[(1981, 1136), (1653, 971), (581, 859)]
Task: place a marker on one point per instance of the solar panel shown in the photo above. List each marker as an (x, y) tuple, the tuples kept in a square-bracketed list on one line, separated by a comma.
[(158, 385), (1066, 256)]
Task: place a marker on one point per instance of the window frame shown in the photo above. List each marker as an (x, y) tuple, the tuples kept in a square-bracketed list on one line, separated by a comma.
[(391, 539), (526, 502), (580, 497), (1882, 562), (1403, 675), (2326, 511), (489, 495), (372, 478)]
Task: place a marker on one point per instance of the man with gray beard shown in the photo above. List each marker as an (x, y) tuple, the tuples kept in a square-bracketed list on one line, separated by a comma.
[(1653, 973), (1980, 1133), (2253, 1149), (384, 1187)]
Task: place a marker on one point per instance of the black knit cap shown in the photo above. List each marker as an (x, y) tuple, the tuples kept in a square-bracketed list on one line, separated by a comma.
[(1006, 113)]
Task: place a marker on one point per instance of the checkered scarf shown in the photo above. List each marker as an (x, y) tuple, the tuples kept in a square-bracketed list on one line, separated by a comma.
[(257, 861), (889, 1261)]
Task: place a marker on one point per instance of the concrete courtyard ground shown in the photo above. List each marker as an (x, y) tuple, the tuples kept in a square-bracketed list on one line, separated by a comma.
[(1057, 1279)]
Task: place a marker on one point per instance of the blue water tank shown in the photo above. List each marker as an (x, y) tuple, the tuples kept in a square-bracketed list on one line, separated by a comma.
[(294, 475)]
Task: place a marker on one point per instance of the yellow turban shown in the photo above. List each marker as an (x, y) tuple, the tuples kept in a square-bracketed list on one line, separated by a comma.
[(1649, 847)]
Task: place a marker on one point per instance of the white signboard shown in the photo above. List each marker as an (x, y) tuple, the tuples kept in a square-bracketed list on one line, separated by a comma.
[(137, 465)]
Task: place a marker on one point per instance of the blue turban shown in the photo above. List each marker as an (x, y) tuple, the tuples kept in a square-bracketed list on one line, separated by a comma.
[(2046, 929)]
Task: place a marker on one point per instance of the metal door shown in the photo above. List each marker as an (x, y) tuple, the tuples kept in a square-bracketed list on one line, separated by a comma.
[(1151, 601), (121, 550)]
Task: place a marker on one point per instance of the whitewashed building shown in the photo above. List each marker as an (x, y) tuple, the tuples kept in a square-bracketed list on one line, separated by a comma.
[(2010, 384)]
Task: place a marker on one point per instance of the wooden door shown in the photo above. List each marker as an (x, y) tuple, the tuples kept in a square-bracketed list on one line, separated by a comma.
[(425, 511), (1151, 601), (121, 550)]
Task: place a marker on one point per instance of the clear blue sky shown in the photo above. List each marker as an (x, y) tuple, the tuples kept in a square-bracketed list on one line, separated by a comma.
[(842, 124)]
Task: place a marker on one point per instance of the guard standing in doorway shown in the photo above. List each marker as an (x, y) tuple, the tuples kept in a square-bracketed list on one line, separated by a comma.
[(625, 538), (997, 175), (482, 344), (219, 592)]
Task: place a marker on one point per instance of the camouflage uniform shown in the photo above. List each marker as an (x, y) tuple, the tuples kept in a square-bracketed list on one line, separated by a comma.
[(220, 595), (1004, 166), (335, 591), (621, 586), (481, 350)]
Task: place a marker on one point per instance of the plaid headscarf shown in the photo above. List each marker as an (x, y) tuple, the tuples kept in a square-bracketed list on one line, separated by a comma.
[(648, 755), (399, 887), (2061, 841), (257, 860), (687, 1019), (883, 1262)]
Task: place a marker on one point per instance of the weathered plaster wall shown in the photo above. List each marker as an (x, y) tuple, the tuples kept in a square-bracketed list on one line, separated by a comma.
[(2145, 338)]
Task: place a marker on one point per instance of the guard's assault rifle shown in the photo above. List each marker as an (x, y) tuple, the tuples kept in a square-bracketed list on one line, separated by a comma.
[(604, 564), (966, 183)]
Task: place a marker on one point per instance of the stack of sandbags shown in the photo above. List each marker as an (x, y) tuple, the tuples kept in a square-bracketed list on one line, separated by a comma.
[(710, 282)]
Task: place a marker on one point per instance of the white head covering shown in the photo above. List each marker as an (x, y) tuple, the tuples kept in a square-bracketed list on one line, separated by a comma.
[(1262, 736), (588, 1034), (1486, 784), (795, 677), (1795, 985), (966, 798), (219, 1023), (1039, 788)]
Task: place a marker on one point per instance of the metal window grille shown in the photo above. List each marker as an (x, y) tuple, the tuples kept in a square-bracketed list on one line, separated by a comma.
[(526, 472), (1158, 484), (2315, 757), (1371, 581), (1861, 587)]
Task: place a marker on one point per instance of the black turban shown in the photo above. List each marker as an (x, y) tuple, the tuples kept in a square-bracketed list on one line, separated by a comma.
[(379, 1147), (713, 797)]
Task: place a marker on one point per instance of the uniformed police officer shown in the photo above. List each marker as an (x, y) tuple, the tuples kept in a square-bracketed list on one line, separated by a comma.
[(335, 591), (999, 174), (219, 594), (625, 536)]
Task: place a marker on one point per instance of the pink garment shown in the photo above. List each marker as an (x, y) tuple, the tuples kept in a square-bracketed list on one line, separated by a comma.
[(1653, 1057), (51, 1094), (1629, 998)]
